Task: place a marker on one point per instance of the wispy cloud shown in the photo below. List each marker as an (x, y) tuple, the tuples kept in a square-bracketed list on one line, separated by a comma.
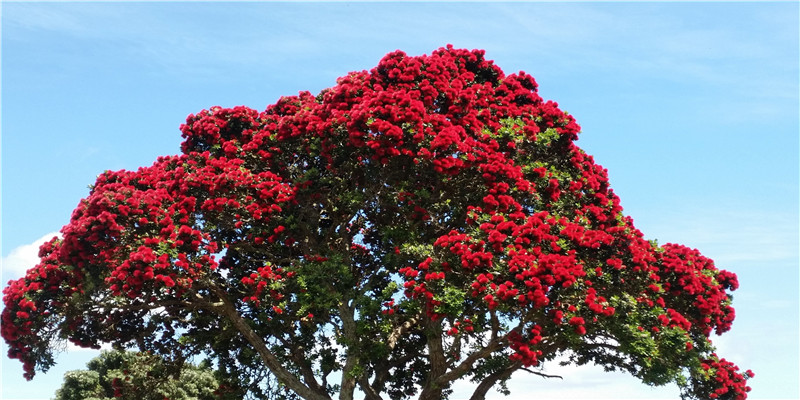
[(731, 236), (23, 258), (43, 18)]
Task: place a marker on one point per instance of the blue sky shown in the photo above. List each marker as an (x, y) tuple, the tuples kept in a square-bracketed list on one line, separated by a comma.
[(692, 107)]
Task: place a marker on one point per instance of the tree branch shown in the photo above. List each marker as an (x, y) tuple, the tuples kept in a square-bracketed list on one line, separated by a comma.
[(299, 356), (400, 331), (382, 374), (466, 365), (228, 310), (542, 374), (495, 324), (433, 386), (369, 391), (491, 380), (349, 379)]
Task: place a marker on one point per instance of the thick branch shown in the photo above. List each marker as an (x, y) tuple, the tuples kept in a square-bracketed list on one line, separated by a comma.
[(369, 391), (382, 370), (228, 311), (468, 362), (433, 386), (348, 384), (299, 356), (491, 380), (400, 331), (351, 361)]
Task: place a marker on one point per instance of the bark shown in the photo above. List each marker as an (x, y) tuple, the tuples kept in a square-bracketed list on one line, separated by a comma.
[(349, 375), (433, 387)]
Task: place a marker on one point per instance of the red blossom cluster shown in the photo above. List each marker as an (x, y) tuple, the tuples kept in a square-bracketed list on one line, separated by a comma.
[(525, 350), (696, 288), (446, 148), (138, 235), (725, 381), (23, 315)]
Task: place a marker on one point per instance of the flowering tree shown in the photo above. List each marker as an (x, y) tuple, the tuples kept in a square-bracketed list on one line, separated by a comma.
[(427, 221)]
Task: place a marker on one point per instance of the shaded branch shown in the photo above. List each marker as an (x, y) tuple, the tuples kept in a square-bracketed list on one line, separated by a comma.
[(228, 310), (369, 390), (382, 374), (433, 386), (492, 379), (400, 331), (468, 362), (299, 356)]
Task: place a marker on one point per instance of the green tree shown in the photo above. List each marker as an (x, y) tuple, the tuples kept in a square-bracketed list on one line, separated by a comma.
[(138, 376), (427, 221)]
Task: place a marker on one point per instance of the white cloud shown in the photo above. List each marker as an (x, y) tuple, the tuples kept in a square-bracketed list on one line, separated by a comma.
[(23, 258)]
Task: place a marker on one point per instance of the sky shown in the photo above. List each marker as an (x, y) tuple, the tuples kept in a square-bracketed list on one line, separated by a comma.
[(692, 108)]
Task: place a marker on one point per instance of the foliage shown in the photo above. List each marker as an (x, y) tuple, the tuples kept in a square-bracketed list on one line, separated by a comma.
[(138, 376), (427, 221)]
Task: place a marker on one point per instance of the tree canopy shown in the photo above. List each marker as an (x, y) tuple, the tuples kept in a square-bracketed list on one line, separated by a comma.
[(139, 376), (426, 221)]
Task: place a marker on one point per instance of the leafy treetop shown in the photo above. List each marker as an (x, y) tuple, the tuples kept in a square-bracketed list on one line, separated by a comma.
[(426, 221), (139, 376)]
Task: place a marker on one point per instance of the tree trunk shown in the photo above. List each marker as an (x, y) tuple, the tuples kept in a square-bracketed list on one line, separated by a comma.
[(433, 386)]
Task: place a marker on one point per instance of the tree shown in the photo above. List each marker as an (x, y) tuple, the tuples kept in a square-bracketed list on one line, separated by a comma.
[(427, 221), (138, 376)]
